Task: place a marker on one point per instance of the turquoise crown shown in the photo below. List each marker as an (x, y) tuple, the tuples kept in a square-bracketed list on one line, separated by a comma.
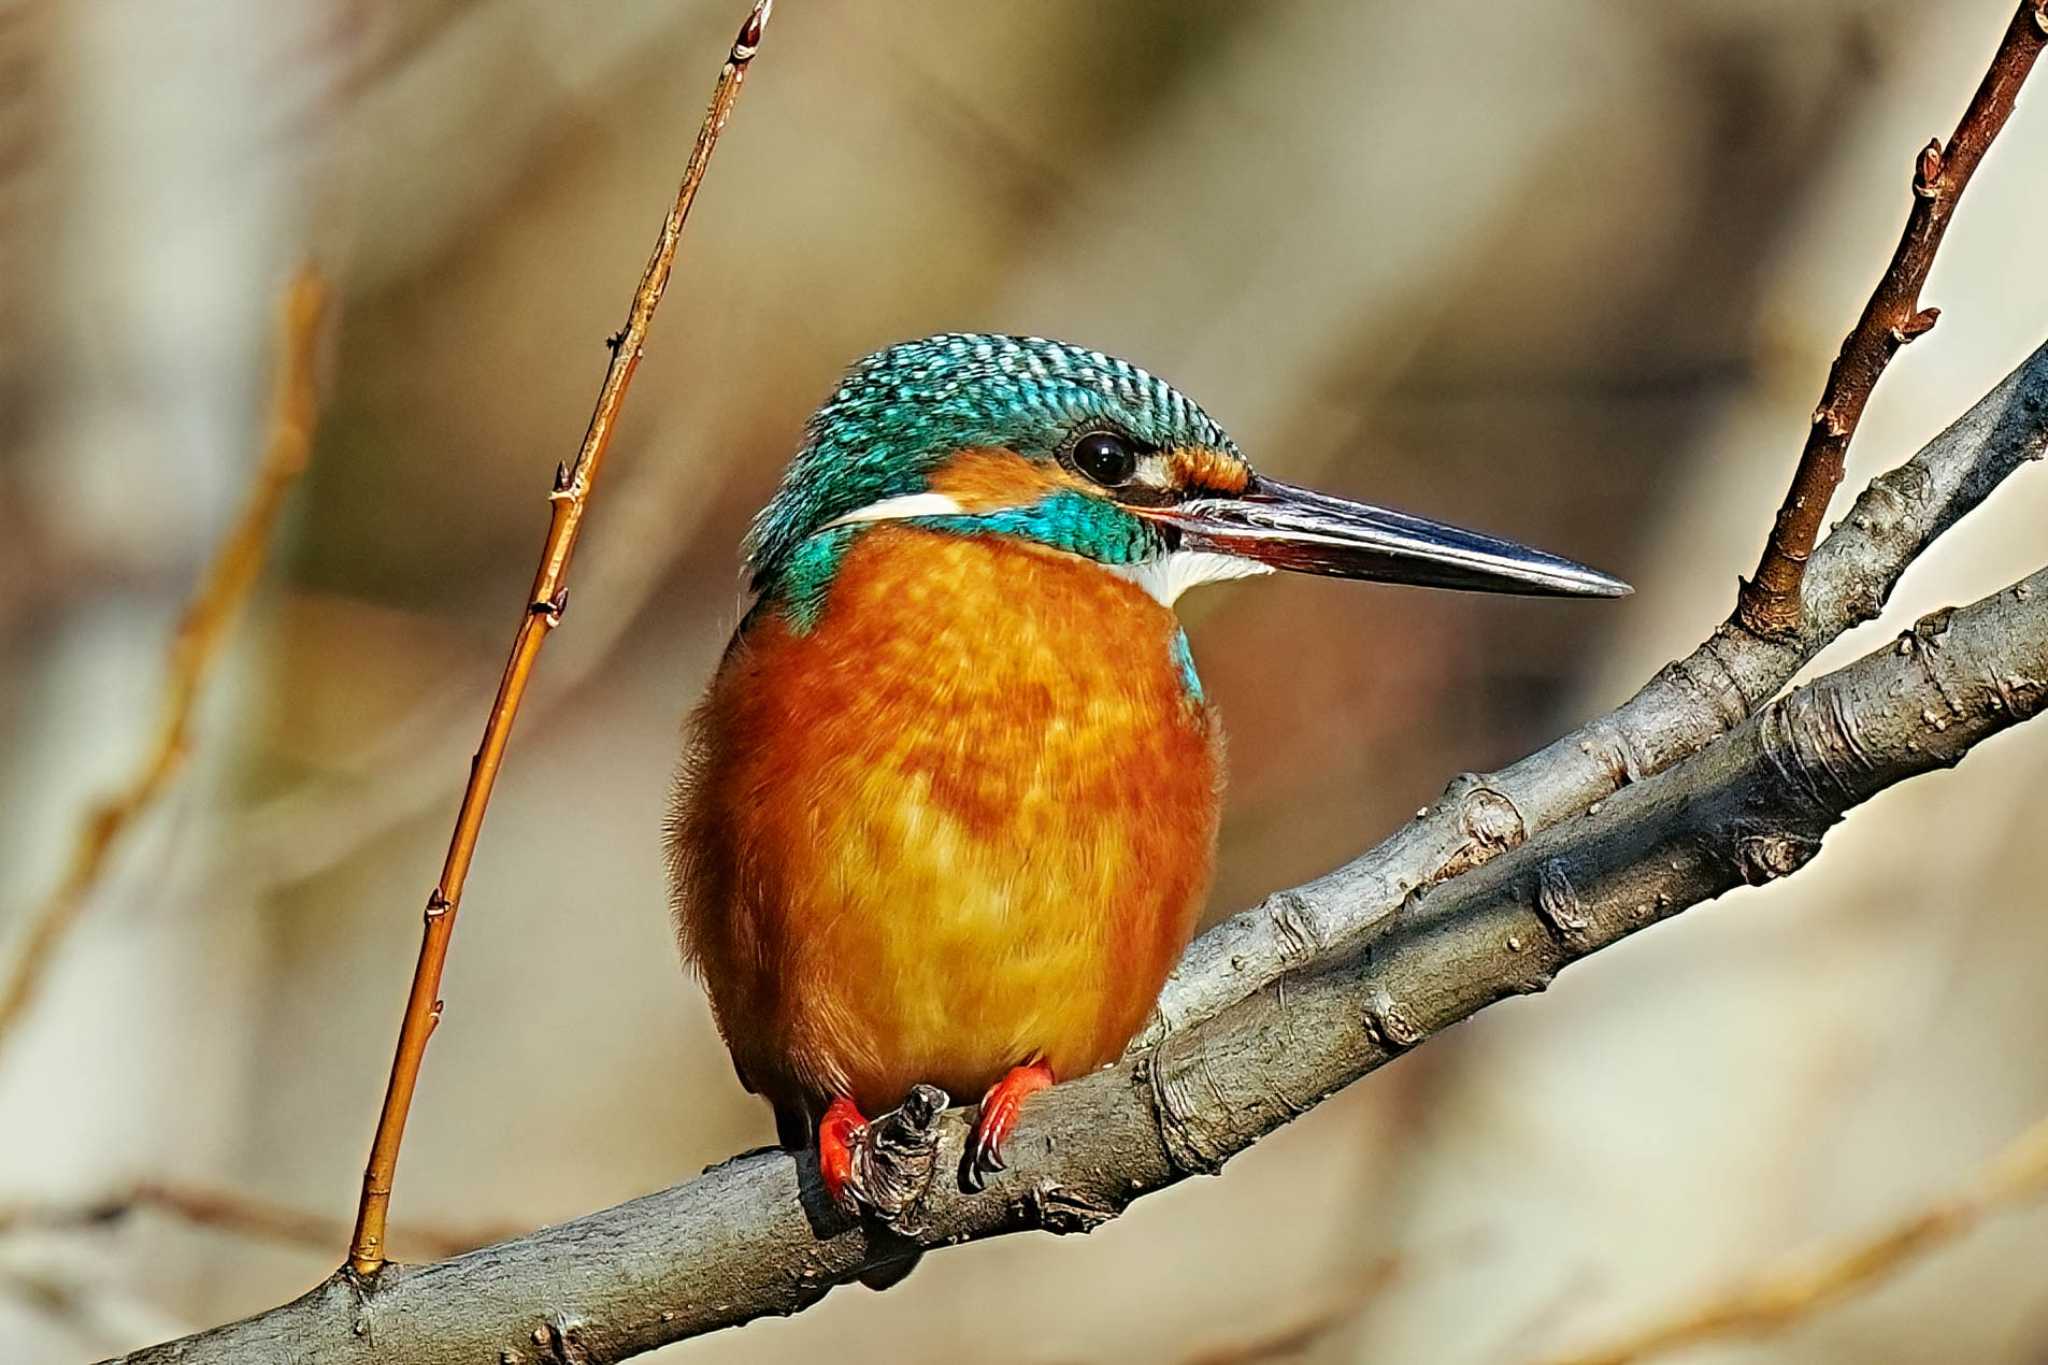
[(899, 413)]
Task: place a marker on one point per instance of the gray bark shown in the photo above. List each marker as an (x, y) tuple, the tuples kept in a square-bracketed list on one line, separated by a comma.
[(754, 1236), (1686, 706)]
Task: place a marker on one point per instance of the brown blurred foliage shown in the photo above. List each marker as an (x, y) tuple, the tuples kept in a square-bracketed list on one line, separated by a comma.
[(1568, 270)]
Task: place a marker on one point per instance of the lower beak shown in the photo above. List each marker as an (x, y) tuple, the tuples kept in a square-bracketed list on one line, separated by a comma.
[(1284, 526)]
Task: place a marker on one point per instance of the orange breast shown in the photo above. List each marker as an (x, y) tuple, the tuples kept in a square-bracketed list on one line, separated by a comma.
[(967, 820)]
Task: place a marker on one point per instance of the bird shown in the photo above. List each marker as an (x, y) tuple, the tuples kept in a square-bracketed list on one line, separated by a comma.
[(948, 812)]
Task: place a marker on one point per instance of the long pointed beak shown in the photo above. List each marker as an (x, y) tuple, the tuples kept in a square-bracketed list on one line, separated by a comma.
[(1285, 526)]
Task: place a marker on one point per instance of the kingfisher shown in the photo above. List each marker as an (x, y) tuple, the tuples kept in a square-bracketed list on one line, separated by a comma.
[(948, 812)]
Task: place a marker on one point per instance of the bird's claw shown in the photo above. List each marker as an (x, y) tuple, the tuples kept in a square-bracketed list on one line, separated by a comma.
[(982, 1162), (985, 1148), (997, 1117)]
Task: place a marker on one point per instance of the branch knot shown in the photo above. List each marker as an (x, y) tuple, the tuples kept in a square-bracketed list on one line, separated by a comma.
[(1558, 902), (1927, 169), (1063, 1211), (1386, 1024), (1184, 1093), (1768, 855), (897, 1157)]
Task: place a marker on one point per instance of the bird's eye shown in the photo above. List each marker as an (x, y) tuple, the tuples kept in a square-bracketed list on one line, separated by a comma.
[(1106, 458)]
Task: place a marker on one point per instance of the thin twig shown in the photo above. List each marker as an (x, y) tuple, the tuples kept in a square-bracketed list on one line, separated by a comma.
[(1688, 705), (753, 1236), (757, 1236), (212, 611), (1769, 603), (544, 607), (1291, 1339), (1799, 1287), (89, 1309), (378, 786), (233, 1212), (1331, 1312)]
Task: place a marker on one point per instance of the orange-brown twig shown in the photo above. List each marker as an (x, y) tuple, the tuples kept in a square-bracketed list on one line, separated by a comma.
[(1769, 603), (194, 650), (1293, 1339), (233, 1212), (1811, 1282), (544, 607)]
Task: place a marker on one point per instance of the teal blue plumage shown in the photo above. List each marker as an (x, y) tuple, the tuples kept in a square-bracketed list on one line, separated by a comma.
[(1089, 527), (1069, 521), (902, 411)]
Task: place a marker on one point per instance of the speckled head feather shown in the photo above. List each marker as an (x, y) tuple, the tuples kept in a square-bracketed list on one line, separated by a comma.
[(901, 412)]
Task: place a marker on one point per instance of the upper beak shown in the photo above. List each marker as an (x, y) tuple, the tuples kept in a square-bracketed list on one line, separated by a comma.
[(1289, 527)]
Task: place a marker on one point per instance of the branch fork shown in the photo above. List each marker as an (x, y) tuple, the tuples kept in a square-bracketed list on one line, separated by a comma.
[(1699, 784), (1769, 604), (567, 498)]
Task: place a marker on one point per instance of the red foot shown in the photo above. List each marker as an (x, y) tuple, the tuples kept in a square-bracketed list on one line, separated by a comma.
[(838, 1131), (998, 1116)]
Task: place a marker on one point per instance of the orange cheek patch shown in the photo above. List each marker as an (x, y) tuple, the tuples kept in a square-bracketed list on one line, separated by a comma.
[(1205, 470), (985, 479)]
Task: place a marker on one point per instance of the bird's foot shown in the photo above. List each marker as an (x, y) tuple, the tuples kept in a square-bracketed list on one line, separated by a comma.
[(841, 1130), (883, 1168), (997, 1117)]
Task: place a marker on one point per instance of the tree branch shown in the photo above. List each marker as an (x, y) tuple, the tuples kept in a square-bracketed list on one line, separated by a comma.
[(215, 606), (1787, 1293), (755, 1236), (1769, 603), (231, 1211), (1686, 706)]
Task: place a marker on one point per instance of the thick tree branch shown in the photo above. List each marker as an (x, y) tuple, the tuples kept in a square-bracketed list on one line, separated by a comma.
[(1686, 706), (754, 1236), (1770, 603), (1802, 599)]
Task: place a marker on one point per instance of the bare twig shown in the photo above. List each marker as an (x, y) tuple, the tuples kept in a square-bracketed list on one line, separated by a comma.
[(212, 611), (233, 1212), (1685, 707), (1274, 1032), (1321, 1320), (1329, 1313), (1770, 603), (544, 608), (1840, 584), (1794, 1290), (382, 785), (756, 1235), (1290, 1339), (91, 1310)]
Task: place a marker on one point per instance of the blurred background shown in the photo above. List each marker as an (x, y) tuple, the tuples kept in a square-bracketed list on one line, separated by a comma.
[(1571, 270)]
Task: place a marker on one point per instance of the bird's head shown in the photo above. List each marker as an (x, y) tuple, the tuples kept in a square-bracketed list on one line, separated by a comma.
[(1084, 454)]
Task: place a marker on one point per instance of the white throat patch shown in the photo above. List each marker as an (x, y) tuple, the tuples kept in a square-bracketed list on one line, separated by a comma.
[(1170, 575)]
